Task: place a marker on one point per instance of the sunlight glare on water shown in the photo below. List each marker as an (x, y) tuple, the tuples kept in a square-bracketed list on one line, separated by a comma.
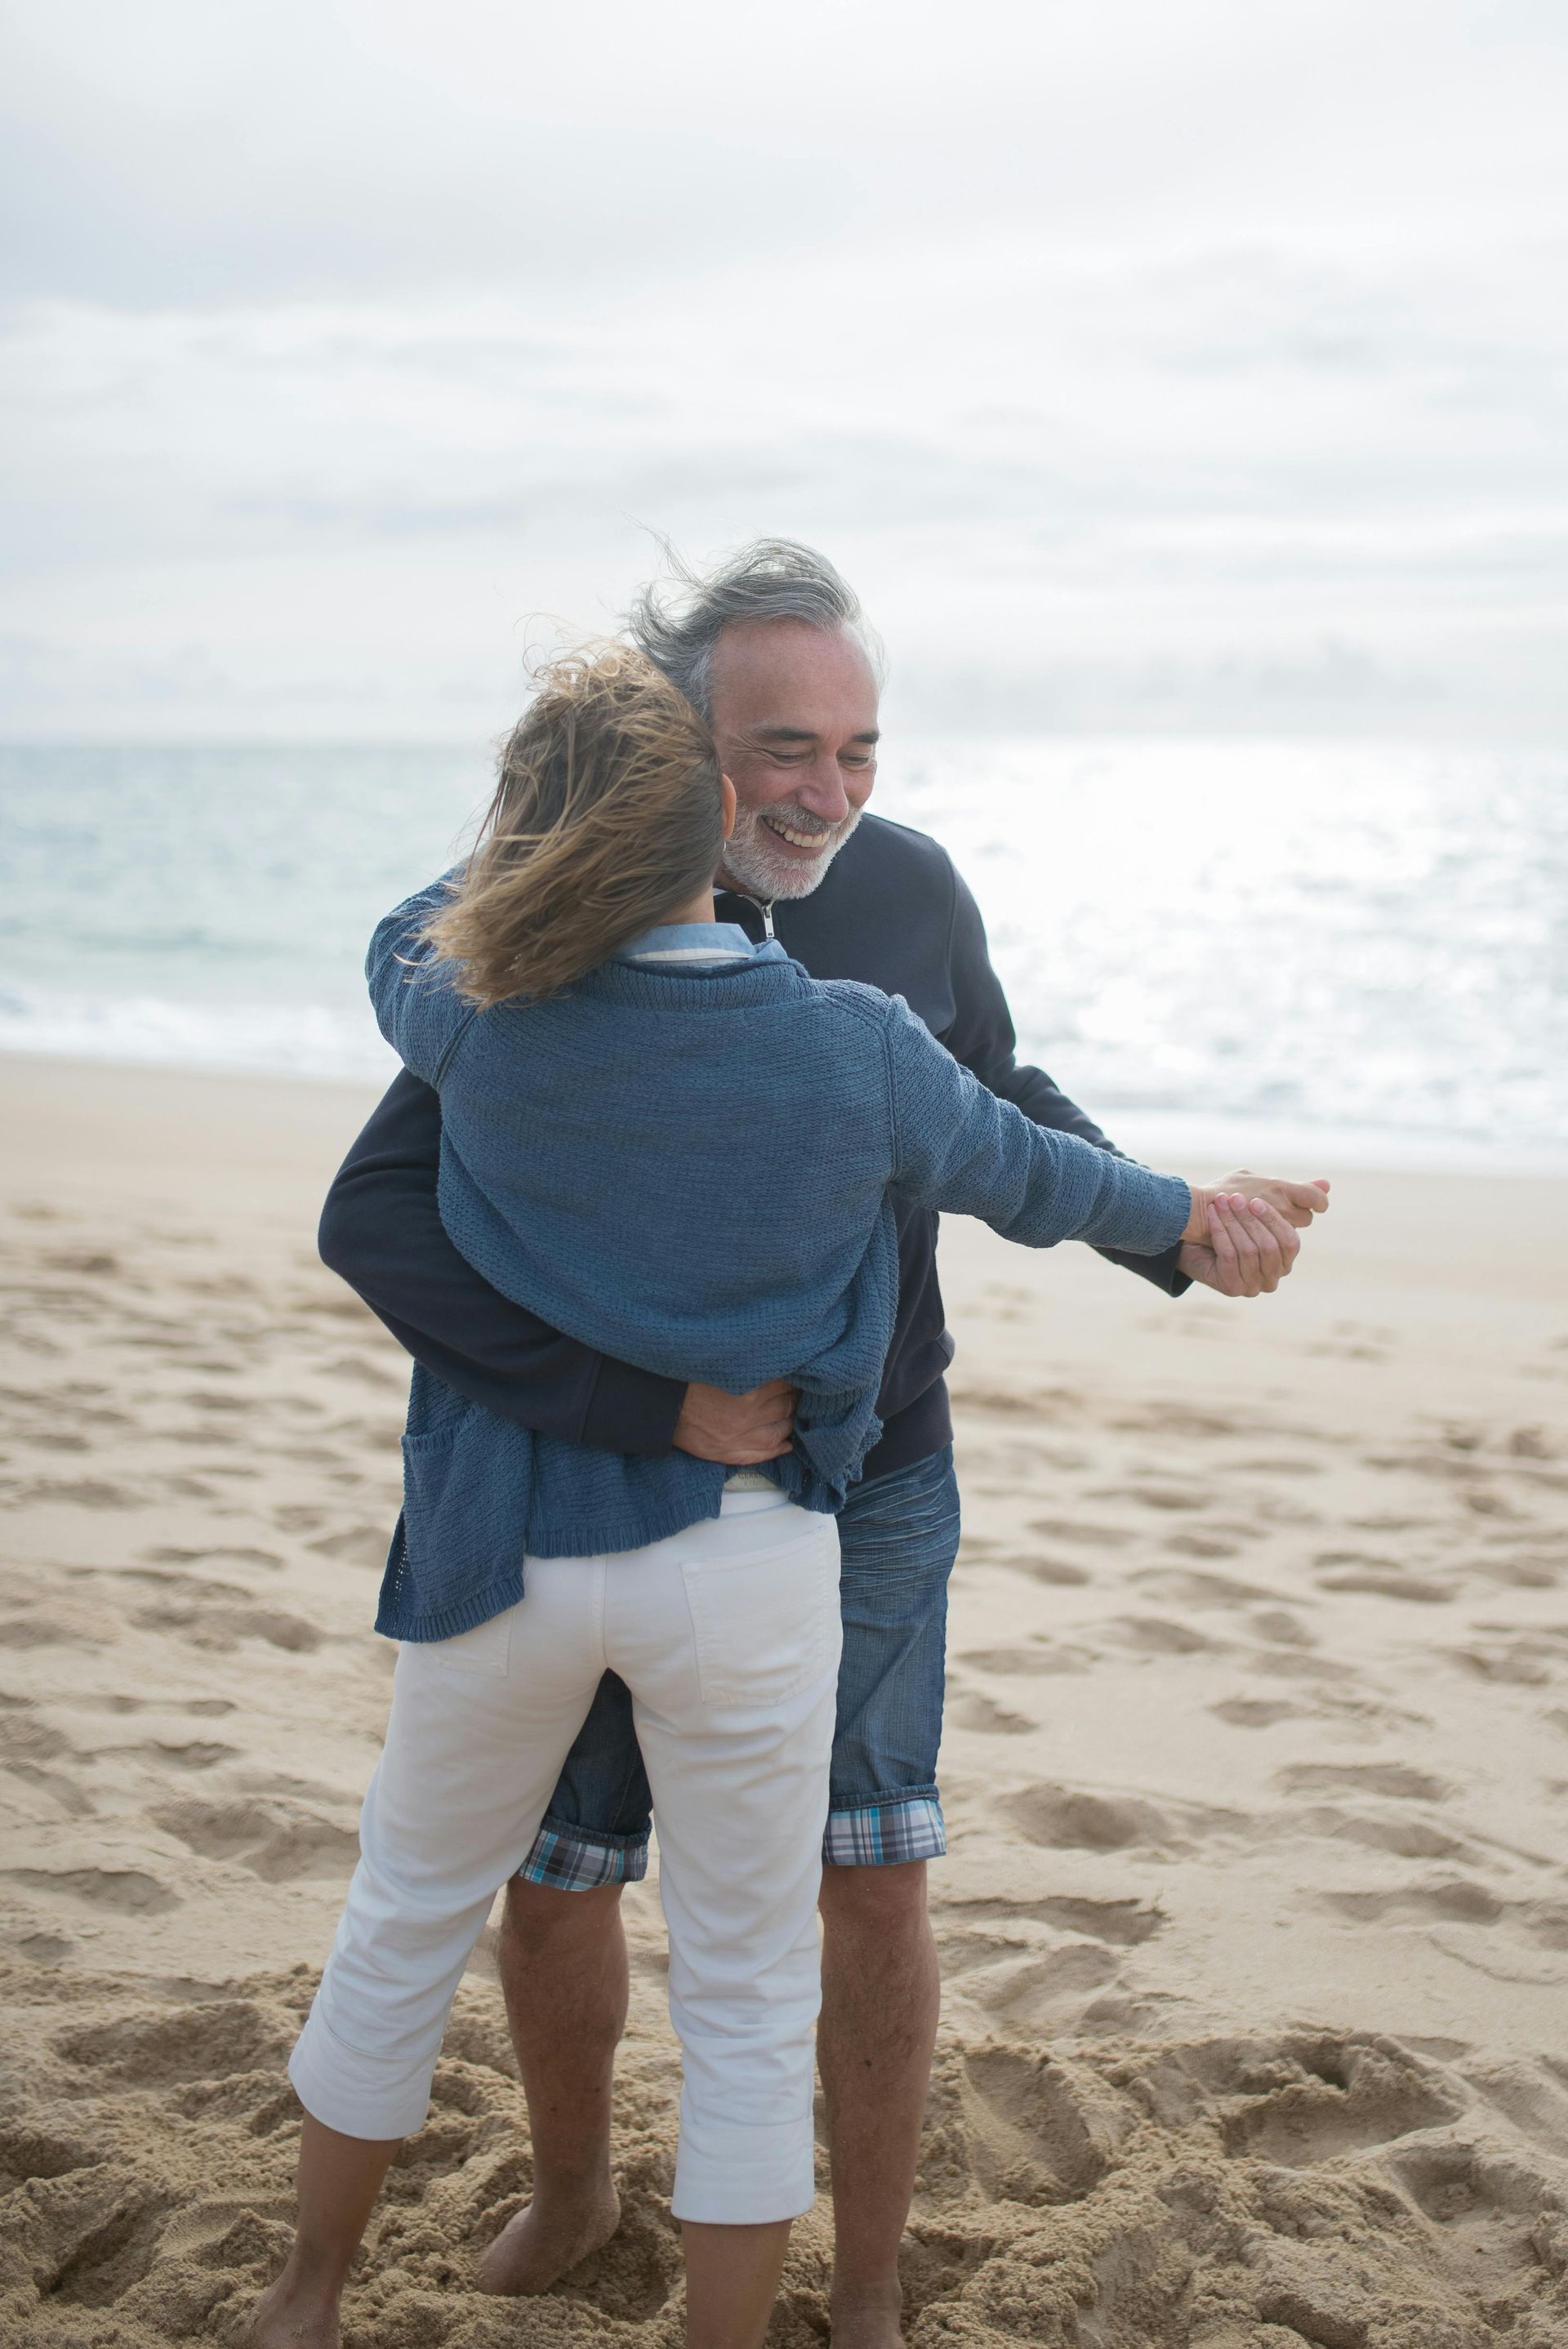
[(1328, 936)]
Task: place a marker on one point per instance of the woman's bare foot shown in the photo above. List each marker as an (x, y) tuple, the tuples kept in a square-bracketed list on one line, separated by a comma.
[(549, 2238), (287, 2318)]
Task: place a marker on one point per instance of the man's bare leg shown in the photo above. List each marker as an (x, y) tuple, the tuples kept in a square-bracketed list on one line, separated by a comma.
[(880, 1996), (564, 1971)]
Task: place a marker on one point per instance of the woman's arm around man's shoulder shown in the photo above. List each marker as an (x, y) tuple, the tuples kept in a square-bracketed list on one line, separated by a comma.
[(418, 1007)]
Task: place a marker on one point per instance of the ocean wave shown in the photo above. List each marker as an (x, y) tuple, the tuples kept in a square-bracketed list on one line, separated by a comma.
[(309, 1039)]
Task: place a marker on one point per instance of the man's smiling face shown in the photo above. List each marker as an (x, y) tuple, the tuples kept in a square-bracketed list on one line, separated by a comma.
[(794, 714)]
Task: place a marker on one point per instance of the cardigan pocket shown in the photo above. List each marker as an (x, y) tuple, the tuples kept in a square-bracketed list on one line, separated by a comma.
[(463, 1513)]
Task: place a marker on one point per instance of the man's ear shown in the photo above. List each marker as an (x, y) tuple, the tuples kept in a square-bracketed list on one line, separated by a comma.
[(727, 793)]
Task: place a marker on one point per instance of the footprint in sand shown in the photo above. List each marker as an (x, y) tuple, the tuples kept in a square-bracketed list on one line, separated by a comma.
[(216, 2040), (43, 1631), (196, 1754), (1073, 1530), (1275, 1623), (164, 1555), (1037, 2131), (108, 2248), (1300, 2100), (1536, 1572), (1053, 1571), (356, 1544), (222, 1628), (969, 1709), (1072, 1818), (1155, 1635), (1188, 1589), (45, 1949), (1126, 1924), (1533, 2094), (1197, 1544), (126, 1889), (1388, 1581), (1398, 1780), (1486, 2209), (1256, 1712), (1526, 1659), (28, 2152), (85, 1493), (364, 1372), (276, 1844), (1154, 1496), (1456, 1900), (1405, 1836), (1024, 1989), (1038, 1654)]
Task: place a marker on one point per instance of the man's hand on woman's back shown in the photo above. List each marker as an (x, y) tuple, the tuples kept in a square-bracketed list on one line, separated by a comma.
[(741, 1430)]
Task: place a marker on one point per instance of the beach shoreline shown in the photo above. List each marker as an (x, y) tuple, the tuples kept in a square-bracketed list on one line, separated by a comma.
[(1254, 1930)]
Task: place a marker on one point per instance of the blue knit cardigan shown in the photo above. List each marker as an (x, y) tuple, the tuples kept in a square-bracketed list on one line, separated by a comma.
[(691, 1170)]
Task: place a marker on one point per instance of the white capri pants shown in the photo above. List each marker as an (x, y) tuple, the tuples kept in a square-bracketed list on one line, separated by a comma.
[(727, 1636)]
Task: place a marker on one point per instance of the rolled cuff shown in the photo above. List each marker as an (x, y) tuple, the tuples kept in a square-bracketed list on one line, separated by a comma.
[(357, 2094), (580, 1860), (887, 1833), (728, 2174)]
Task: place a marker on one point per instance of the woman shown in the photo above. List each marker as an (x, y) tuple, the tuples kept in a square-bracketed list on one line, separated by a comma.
[(682, 1150)]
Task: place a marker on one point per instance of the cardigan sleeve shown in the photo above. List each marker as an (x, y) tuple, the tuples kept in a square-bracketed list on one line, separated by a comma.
[(417, 1008), (958, 1148)]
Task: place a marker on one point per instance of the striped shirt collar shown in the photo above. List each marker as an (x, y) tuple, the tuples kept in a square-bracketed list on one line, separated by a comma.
[(689, 943)]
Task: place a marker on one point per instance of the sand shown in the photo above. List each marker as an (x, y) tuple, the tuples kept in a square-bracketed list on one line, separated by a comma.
[(1255, 1929)]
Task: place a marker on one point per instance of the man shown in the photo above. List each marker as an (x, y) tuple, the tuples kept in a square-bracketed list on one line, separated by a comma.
[(772, 650)]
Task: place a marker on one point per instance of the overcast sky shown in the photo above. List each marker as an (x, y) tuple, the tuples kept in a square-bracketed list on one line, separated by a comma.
[(1147, 367)]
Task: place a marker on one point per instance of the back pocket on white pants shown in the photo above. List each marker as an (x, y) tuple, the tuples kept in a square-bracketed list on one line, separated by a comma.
[(766, 1625)]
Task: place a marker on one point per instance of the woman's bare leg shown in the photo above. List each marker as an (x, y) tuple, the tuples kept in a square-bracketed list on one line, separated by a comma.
[(732, 2279), (339, 2180)]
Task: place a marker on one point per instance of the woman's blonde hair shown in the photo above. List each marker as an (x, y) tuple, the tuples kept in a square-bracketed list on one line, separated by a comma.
[(607, 817)]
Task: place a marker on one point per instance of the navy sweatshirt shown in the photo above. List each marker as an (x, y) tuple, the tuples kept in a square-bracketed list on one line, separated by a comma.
[(892, 912)]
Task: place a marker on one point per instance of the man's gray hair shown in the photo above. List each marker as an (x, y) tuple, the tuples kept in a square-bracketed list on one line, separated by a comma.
[(770, 579)]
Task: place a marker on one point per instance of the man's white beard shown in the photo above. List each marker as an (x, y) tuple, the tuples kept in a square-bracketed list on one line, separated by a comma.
[(761, 866)]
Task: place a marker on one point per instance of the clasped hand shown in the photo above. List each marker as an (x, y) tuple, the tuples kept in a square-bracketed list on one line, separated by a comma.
[(1242, 1237)]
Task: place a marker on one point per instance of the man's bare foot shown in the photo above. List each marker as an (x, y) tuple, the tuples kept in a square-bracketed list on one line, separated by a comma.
[(549, 2238), (286, 2318), (866, 2320)]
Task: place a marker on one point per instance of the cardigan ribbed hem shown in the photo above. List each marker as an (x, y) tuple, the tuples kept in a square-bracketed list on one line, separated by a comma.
[(476, 1607), (611, 1536)]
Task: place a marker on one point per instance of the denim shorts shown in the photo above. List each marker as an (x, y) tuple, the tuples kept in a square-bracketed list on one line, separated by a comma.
[(898, 1537)]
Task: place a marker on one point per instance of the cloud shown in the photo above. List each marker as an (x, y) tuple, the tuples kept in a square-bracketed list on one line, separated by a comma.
[(1179, 366)]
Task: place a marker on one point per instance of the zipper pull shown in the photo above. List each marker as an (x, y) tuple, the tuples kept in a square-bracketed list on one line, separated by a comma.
[(767, 914)]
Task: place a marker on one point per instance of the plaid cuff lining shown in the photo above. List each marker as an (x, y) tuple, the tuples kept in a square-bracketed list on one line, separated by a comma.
[(882, 1835), (572, 1863)]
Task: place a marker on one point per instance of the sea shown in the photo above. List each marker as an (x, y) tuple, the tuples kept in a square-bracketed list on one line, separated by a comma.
[(1353, 952)]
